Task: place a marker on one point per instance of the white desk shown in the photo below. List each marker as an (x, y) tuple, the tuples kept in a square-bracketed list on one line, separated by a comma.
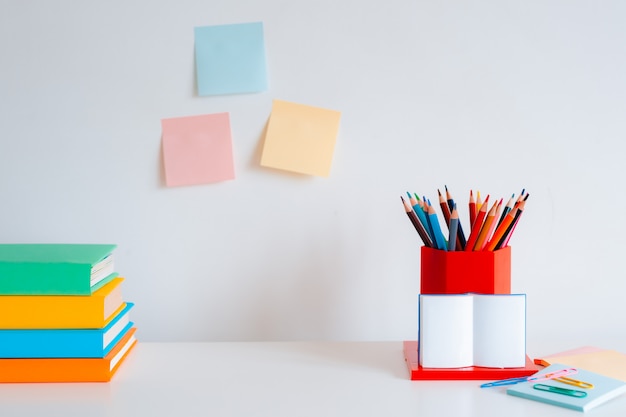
[(292, 379)]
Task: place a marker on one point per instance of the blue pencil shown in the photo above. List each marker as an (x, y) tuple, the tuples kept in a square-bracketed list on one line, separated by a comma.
[(434, 223), (423, 219)]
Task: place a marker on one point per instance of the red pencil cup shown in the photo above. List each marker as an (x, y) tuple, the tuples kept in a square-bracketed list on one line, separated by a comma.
[(458, 272)]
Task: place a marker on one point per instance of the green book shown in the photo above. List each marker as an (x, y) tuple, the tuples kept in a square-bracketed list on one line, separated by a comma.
[(55, 268)]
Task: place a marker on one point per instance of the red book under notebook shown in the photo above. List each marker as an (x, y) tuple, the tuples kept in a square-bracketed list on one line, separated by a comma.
[(417, 372)]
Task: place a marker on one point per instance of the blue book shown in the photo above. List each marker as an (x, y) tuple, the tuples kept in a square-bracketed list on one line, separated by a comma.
[(65, 343), (570, 395)]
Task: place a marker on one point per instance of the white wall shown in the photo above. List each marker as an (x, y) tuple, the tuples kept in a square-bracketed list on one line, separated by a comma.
[(493, 96)]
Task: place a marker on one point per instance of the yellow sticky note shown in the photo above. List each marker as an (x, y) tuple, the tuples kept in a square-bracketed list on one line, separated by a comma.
[(605, 362), (300, 138)]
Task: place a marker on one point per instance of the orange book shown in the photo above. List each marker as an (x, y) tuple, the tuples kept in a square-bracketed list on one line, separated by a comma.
[(68, 369), (62, 311)]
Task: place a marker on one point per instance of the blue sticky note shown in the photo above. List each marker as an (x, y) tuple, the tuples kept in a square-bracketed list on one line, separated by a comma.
[(230, 59)]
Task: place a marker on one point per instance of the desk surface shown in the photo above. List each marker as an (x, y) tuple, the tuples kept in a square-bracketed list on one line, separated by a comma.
[(272, 379)]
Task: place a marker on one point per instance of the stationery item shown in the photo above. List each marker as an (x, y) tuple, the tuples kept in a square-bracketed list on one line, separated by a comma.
[(68, 369), (490, 231), (55, 269), (230, 59), (197, 149), (610, 363), (300, 138), (62, 311), (564, 395), (487, 229), (478, 224), (511, 229), (472, 209), (416, 223), (445, 210), (453, 230), (419, 373), (479, 203), (574, 382), (458, 272), (418, 207), (434, 222), (507, 208), (559, 390), (561, 373), (460, 244), (65, 343), (500, 230), (459, 330)]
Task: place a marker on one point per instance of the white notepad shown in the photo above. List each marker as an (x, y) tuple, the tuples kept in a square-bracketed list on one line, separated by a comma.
[(461, 330)]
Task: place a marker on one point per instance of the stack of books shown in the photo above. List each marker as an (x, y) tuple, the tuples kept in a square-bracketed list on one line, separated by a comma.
[(62, 315)]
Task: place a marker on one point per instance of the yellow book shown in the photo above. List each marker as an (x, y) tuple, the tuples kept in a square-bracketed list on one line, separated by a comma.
[(62, 311)]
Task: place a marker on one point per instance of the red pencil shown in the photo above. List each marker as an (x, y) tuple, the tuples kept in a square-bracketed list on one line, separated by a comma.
[(472, 209), (478, 224), (444, 208)]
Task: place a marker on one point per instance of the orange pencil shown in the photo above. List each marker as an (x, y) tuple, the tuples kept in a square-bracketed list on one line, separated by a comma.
[(472, 209), (478, 223), (501, 229), (487, 227)]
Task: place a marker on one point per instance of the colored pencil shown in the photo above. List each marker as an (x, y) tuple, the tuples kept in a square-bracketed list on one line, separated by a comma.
[(453, 228), (479, 202), (500, 230), (511, 228), (444, 207), (507, 208), (421, 212), (460, 235), (434, 223), (478, 223), (491, 227), (472, 209), (416, 223), (487, 229)]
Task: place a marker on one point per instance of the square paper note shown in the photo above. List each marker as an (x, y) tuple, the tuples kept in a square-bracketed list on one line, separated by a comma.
[(230, 59), (197, 149), (300, 138)]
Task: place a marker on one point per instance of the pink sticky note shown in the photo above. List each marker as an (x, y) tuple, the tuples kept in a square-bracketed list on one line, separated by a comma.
[(197, 149)]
